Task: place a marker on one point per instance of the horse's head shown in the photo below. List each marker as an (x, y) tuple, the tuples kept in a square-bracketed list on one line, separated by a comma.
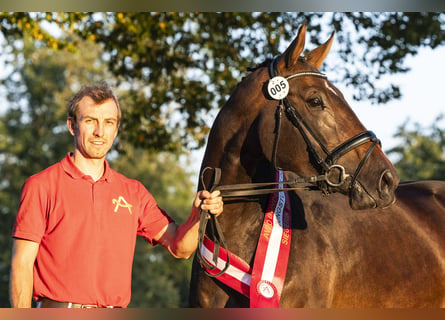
[(322, 128), (319, 135)]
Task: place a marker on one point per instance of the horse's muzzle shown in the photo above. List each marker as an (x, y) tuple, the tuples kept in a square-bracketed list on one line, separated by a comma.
[(381, 196)]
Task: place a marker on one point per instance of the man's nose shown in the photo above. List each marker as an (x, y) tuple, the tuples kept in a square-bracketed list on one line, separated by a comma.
[(99, 130)]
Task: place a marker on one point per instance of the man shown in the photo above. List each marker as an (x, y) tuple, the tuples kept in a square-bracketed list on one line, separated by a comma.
[(77, 222)]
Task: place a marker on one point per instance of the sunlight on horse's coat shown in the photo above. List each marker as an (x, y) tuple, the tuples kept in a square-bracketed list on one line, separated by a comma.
[(390, 253)]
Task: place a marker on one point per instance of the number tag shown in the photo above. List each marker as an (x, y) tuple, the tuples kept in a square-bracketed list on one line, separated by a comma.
[(278, 88)]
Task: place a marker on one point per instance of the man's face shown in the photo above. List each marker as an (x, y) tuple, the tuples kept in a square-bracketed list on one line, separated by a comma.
[(96, 127)]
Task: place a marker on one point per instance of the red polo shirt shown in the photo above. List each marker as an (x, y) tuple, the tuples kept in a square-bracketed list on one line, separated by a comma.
[(86, 231)]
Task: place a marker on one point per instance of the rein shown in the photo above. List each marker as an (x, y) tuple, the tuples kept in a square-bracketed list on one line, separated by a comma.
[(218, 236), (327, 167), (292, 179)]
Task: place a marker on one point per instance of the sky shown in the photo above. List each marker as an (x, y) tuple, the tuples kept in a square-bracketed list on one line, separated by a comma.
[(423, 98)]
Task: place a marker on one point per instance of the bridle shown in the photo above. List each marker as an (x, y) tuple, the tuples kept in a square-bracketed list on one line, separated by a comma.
[(325, 167)]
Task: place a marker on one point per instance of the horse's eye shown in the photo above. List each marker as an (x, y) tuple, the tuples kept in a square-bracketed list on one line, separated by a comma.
[(315, 103)]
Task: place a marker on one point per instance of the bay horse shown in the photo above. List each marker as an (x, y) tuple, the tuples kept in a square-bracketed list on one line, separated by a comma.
[(359, 238)]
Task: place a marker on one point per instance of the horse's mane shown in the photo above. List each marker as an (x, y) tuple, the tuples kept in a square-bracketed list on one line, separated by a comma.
[(265, 63), (260, 65)]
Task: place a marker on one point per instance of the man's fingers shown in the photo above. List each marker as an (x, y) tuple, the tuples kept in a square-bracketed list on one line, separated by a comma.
[(211, 202)]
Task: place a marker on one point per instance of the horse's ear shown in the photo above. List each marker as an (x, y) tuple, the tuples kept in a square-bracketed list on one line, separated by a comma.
[(316, 57), (294, 50)]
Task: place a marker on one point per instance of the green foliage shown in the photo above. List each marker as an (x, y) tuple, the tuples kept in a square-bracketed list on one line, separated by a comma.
[(421, 153), (378, 45), (158, 281), (185, 64)]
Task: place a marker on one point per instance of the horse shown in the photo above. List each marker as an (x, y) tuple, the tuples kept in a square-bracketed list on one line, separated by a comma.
[(360, 238)]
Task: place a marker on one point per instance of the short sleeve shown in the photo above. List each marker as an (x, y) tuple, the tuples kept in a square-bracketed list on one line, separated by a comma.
[(30, 223), (152, 219)]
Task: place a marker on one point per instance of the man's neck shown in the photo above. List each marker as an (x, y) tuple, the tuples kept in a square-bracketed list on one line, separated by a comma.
[(92, 167)]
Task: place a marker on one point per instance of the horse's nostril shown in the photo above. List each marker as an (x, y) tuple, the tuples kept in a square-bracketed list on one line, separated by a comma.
[(386, 185)]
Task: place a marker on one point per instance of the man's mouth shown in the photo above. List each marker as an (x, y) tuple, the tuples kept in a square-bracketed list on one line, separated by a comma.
[(98, 143)]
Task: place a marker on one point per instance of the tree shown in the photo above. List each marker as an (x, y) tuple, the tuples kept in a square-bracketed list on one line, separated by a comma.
[(421, 153), (184, 65)]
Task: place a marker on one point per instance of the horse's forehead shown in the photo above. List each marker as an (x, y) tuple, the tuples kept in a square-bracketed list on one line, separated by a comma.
[(331, 88), (302, 67), (262, 75)]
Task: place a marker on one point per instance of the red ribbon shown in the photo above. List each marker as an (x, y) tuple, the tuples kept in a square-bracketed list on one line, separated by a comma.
[(264, 283), (270, 266)]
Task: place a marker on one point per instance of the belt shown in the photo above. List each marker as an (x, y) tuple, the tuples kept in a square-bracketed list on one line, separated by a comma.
[(48, 303)]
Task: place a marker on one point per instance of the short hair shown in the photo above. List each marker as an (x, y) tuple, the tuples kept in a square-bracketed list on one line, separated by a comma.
[(99, 93)]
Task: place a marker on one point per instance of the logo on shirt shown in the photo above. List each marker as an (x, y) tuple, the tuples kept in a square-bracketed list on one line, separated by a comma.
[(121, 203)]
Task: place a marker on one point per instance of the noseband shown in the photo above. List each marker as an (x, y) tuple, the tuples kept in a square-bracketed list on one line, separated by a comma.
[(323, 165)]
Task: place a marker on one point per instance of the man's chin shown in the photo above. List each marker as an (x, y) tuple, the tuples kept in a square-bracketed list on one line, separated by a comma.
[(95, 154)]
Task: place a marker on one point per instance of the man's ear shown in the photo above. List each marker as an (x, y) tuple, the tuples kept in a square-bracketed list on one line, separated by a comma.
[(71, 126)]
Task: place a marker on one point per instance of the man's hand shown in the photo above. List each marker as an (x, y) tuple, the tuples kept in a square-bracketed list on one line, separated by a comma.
[(211, 202)]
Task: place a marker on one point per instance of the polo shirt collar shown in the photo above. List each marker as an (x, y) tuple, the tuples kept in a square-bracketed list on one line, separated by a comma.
[(71, 169)]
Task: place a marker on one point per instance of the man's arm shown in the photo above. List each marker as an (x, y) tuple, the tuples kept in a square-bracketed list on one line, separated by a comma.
[(182, 240), (24, 254)]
